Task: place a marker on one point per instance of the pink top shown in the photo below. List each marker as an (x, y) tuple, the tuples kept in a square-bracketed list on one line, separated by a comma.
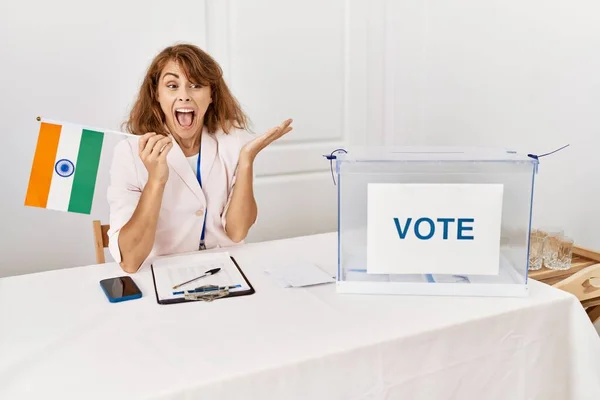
[(182, 210)]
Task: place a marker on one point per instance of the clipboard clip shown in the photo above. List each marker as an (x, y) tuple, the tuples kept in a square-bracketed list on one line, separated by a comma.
[(207, 293)]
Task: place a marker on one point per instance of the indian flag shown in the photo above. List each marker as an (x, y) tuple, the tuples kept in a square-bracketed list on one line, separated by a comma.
[(65, 167)]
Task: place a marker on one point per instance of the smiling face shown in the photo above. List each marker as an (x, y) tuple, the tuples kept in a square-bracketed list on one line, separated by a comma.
[(183, 102)]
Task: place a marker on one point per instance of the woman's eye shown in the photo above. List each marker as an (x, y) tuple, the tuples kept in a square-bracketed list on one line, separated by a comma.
[(172, 86), (194, 86)]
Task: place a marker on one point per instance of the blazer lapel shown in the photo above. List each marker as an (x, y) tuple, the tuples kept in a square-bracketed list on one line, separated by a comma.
[(208, 147), (178, 162)]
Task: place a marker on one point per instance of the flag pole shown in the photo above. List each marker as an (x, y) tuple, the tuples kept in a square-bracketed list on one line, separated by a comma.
[(40, 119)]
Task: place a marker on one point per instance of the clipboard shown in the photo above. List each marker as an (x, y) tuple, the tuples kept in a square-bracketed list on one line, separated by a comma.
[(208, 297)]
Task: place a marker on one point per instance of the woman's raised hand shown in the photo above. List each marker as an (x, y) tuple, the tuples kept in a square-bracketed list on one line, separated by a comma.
[(153, 150), (252, 148)]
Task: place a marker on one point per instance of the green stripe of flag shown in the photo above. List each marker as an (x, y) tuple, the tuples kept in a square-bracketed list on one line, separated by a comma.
[(86, 170)]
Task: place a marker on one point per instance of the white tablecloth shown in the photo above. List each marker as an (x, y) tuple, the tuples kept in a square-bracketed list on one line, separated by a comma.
[(61, 338)]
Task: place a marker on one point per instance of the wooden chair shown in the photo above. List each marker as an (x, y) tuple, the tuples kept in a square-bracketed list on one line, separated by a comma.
[(100, 240)]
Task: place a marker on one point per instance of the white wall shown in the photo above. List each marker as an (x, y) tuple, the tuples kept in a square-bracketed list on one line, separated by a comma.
[(520, 74)]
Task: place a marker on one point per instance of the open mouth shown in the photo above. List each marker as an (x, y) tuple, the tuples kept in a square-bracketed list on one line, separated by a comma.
[(185, 117)]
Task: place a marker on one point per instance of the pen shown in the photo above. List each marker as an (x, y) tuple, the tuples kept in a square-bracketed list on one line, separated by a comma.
[(207, 289), (207, 273)]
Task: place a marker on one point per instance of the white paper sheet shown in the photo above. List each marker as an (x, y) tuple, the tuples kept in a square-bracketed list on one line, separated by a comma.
[(410, 231), (171, 271), (299, 273)]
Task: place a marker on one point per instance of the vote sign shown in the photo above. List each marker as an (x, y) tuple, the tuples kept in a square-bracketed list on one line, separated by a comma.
[(434, 228)]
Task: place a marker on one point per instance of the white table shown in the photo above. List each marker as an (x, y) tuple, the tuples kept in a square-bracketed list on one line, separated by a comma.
[(61, 338)]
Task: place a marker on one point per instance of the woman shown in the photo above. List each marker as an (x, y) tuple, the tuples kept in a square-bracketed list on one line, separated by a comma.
[(185, 182)]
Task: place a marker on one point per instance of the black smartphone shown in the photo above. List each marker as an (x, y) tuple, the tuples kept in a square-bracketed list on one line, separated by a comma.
[(121, 288)]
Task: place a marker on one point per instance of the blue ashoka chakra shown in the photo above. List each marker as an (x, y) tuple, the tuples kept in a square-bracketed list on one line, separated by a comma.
[(64, 168)]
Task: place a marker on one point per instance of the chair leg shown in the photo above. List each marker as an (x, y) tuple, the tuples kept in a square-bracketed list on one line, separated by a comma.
[(97, 226)]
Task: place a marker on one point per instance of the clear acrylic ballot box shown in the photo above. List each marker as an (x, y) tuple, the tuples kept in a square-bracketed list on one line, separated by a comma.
[(434, 221)]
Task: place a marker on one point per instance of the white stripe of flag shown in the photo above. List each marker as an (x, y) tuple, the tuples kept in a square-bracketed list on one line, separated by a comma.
[(68, 148)]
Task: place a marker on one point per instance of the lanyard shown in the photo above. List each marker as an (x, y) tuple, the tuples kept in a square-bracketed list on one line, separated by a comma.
[(202, 246)]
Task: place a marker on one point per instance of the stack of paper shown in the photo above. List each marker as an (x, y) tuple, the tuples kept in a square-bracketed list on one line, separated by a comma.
[(299, 274)]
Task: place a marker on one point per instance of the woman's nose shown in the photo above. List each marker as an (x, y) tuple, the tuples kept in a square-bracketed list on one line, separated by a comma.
[(184, 95)]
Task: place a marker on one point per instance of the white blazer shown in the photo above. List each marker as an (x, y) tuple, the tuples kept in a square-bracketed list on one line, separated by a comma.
[(182, 211)]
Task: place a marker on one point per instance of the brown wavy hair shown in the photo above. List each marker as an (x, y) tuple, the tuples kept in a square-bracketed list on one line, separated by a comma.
[(224, 112)]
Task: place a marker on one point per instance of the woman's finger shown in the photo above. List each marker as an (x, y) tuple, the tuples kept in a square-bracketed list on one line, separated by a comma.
[(159, 146), (283, 131), (284, 128), (150, 145), (286, 123), (163, 154), (275, 133), (143, 140), (258, 144)]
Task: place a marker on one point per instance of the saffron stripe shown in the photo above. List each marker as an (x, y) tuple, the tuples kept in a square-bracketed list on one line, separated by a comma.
[(42, 168), (86, 171)]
